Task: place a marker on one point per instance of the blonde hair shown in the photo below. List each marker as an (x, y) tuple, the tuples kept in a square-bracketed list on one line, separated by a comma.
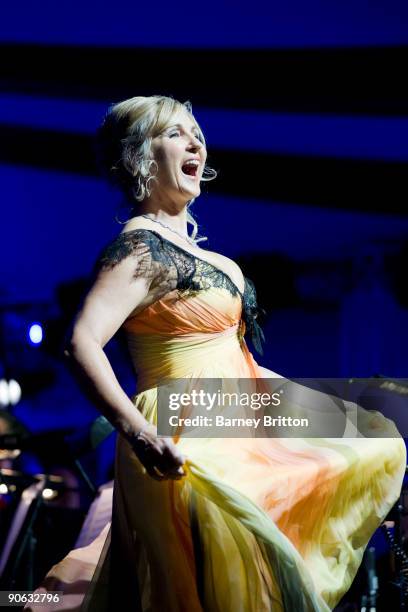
[(123, 144)]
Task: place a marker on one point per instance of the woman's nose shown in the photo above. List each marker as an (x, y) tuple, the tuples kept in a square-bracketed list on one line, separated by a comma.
[(196, 148), (196, 143)]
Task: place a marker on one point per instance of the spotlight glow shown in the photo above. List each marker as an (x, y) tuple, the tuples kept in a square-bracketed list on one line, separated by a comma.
[(14, 390), (10, 392), (35, 333), (4, 393), (49, 493)]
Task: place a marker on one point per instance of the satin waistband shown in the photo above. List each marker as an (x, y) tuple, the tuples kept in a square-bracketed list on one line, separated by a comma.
[(157, 356)]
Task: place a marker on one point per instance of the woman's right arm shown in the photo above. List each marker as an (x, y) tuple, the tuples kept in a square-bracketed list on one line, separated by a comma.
[(116, 292)]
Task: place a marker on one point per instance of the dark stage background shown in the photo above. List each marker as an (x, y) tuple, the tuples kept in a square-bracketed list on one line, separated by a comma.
[(305, 112)]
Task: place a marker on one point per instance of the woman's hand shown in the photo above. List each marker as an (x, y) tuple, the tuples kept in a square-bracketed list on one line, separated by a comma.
[(160, 456)]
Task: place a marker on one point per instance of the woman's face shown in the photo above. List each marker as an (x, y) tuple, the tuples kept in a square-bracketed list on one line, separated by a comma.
[(171, 149)]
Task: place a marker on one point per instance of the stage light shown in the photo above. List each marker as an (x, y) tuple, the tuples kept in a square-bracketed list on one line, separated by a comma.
[(10, 392), (35, 333), (4, 393), (14, 391), (49, 493), (3, 489)]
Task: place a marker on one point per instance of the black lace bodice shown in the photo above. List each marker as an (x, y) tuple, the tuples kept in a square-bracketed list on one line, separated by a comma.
[(167, 267)]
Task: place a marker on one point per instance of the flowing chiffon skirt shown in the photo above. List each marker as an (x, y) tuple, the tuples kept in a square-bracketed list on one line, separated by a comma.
[(257, 524)]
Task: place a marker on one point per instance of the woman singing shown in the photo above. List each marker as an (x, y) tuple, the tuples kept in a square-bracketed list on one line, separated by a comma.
[(207, 523)]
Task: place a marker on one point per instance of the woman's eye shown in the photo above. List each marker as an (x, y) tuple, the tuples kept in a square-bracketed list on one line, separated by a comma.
[(177, 133)]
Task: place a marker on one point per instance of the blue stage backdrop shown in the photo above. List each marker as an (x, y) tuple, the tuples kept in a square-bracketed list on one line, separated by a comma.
[(306, 117)]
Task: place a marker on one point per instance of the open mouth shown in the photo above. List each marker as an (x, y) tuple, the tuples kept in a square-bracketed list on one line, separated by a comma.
[(190, 170)]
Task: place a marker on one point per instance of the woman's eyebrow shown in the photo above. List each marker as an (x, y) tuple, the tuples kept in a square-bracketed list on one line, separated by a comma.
[(194, 127)]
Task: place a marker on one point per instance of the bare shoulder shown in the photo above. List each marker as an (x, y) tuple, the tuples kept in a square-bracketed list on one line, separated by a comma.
[(135, 224)]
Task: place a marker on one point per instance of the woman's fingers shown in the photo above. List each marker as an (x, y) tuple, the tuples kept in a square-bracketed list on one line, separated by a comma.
[(159, 476), (176, 473), (163, 461), (170, 460), (170, 469), (153, 473), (161, 473)]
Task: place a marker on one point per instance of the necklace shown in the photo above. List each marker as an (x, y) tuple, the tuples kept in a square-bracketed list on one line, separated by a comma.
[(189, 240)]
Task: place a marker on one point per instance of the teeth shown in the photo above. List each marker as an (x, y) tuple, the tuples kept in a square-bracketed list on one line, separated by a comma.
[(194, 162)]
